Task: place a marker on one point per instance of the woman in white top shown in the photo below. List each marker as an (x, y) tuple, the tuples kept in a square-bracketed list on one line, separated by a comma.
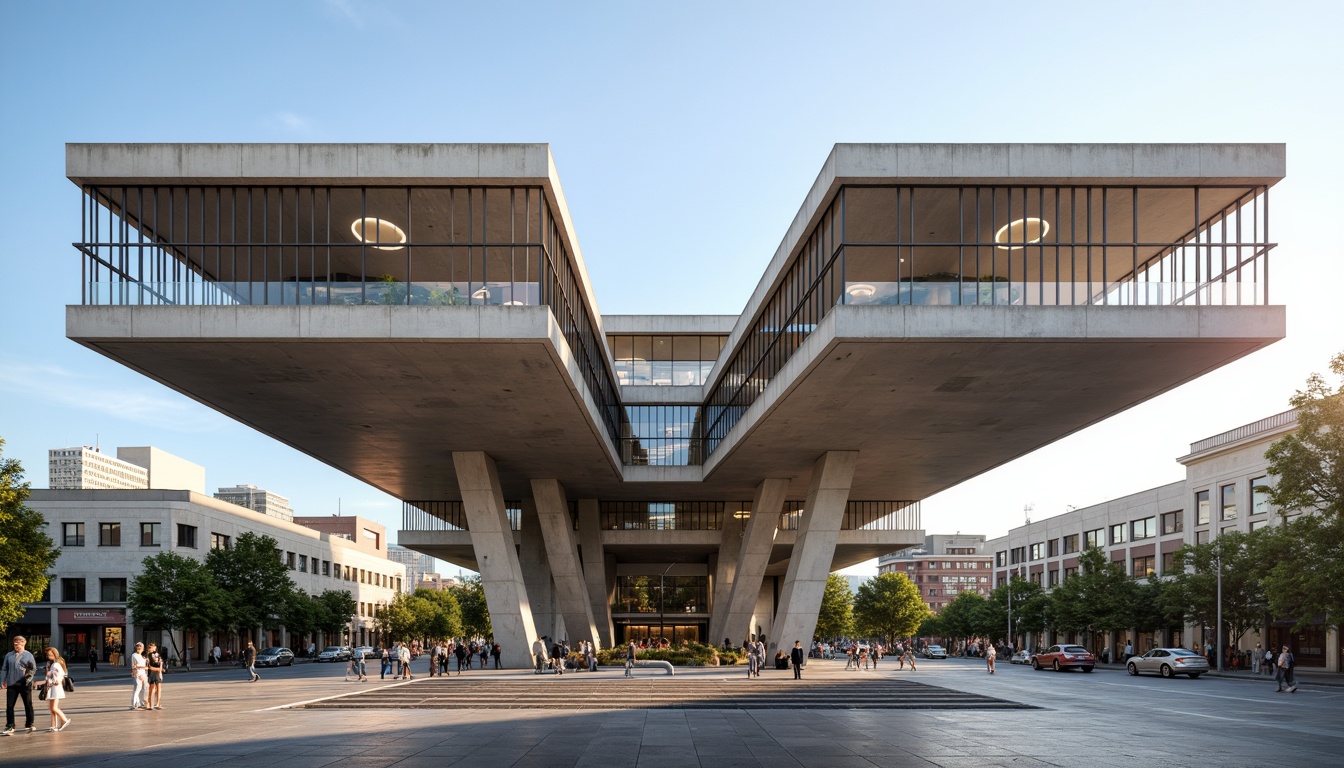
[(55, 685)]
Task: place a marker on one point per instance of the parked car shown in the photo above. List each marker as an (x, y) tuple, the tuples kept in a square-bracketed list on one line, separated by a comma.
[(1062, 657), (935, 652), (1021, 657), (1169, 662), (275, 657), (334, 653), (364, 652)]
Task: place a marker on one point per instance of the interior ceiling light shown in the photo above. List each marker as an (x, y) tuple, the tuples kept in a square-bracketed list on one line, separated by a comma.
[(861, 290), (1021, 233), (481, 293), (380, 233), (742, 514)]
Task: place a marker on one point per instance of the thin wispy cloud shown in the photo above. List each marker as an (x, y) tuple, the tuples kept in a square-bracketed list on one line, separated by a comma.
[(291, 123), (45, 383), (344, 9)]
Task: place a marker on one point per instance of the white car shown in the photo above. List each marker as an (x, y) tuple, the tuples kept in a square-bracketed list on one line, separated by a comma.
[(363, 652), (935, 652), (1021, 657)]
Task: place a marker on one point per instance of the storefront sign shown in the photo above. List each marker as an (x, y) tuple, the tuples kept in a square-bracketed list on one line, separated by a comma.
[(91, 616)]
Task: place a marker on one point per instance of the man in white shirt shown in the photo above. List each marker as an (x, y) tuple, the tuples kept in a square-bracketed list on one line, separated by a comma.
[(140, 674)]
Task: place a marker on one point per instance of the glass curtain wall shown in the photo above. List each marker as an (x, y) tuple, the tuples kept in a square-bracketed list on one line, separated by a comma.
[(665, 360)]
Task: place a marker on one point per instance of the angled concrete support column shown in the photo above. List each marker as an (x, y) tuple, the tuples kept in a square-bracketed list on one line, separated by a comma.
[(813, 550), (595, 569), (752, 559), (725, 569), (496, 558), (562, 551), (537, 572)]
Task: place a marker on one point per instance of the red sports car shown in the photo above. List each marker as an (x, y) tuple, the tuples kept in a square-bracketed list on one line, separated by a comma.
[(1061, 657)]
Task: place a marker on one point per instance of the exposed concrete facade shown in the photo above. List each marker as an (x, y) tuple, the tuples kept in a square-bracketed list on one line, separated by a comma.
[(465, 399)]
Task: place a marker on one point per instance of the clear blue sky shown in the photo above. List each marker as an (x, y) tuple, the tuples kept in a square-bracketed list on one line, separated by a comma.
[(685, 135)]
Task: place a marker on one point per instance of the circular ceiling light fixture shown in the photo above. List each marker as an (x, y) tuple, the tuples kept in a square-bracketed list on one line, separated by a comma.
[(1021, 233), (380, 233), (861, 290)]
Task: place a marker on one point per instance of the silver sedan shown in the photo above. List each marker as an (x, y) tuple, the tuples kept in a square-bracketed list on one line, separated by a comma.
[(1169, 662)]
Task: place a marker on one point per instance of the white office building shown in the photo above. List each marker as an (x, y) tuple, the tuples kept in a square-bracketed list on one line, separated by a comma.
[(257, 500)]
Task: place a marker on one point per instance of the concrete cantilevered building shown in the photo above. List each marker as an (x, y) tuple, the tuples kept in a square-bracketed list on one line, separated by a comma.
[(420, 317)]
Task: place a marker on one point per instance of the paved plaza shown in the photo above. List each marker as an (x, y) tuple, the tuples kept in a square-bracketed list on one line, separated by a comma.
[(309, 716)]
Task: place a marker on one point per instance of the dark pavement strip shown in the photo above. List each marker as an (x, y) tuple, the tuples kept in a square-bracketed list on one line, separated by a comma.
[(441, 693)]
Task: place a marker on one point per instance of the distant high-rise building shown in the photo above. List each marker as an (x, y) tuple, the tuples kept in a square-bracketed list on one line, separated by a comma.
[(257, 500), (418, 566), (87, 468), (944, 567)]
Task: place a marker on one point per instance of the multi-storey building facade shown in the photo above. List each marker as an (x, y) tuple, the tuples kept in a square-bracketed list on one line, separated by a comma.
[(104, 536), (419, 566), (421, 317), (88, 468), (943, 567), (1224, 490), (257, 500)]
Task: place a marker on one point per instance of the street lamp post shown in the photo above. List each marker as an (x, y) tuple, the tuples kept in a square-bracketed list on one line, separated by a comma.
[(1218, 630)]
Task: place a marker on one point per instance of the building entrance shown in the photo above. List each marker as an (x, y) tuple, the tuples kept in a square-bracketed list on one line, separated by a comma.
[(673, 633)]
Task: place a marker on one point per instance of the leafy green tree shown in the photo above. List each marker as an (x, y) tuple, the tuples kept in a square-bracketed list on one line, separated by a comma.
[(889, 606), (1195, 583), (254, 578), (1305, 575), (1157, 605), (174, 592), (836, 617), (338, 610), (1309, 462), (932, 626), (300, 614), (445, 619), (406, 618), (965, 616), (475, 613), (26, 552), (1100, 598), (1030, 603)]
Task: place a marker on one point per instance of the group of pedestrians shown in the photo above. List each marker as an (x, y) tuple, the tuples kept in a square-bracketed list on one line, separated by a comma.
[(465, 652), (18, 678)]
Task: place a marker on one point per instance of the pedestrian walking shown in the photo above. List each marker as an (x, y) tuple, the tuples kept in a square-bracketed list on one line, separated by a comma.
[(404, 656), (154, 667), (990, 655), (16, 678), (93, 659), (539, 655), (1257, 656), (249, 661), (797, 657), (630, 655), (910, 657), (140, 677), (53, 689), (1285, 678), (497, 651)]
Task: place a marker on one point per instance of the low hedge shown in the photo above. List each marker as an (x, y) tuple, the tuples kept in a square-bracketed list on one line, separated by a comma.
[(688, 655)]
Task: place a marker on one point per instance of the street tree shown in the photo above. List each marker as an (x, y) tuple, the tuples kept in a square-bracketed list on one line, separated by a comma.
[(1157, 605), (1304, 577), (1195, 582), (965, 616), (475, 612), (175, 593), (26, 551), (836, 616), (338, 611), (889, 606), (1030, 604), (1309, 462), (255, 580), (445, 618), (406, 618), (1099, 598)]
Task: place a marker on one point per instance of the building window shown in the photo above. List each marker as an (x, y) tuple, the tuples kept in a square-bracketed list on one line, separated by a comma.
[(73, 534), (1258, 524), (1144, 566), (303, 563), (1201, 508), (114, 590), (1036, 578), (1228, 503), (1201, 537), (219, 541), (1173, 522), (1118, 533), (1053, 547), (72, 590), (326, 567), (1094, 538), (1071, 543), (1144, 529), (149, 534), (1001, 558), (1037, 551), (1168, 563), (186, 535), (1260, 488), (289, 560), (109, 534), (1054, 577), (1070, 572), (1227, 530)]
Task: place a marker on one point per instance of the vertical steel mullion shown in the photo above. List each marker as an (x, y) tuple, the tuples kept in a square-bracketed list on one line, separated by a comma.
[(994, 244), (84, 245), (409, 244), (327, 243), (1009, 216), (1088, 203), (961, 246), (1222, 272), (363, 245), (1105, 245), (140, 246), (1197, 236), (219, 240), (1040, 249), (1134, 273), (1240, 248), (1056, 246), (251, 284), (1264, 193), (978, 231)]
